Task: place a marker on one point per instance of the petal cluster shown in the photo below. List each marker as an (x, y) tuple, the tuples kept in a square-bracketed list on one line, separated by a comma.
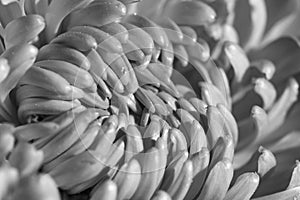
[(171, 99)]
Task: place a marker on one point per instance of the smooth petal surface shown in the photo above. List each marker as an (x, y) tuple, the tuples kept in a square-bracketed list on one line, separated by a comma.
[(22, 30), (244, 187), (217, 182), (4, 69), (190, 13)]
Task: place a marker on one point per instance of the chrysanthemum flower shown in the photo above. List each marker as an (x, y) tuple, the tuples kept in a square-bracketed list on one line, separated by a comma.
[(258, 86), (183, 100)]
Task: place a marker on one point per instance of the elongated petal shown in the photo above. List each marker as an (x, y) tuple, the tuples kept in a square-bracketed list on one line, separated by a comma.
[(224, 148), (4, 69), (20, 59), (161, 195), (129, 174), (151, 166), (198, 138), (237, 59), (107, 190), (244, 187), (190, 13), (217, 182), (22, 30), (230, 122), (279, 111), (212, 95), (57, 11), (183, 182), (220, 80), (266, 91), (291, 140), (200, 166), (9, 11), (282, 19), (262, 162), (216, 126), (173, 170), (259, 21)]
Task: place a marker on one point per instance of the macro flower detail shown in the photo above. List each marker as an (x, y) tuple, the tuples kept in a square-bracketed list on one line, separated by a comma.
[(129, 99)]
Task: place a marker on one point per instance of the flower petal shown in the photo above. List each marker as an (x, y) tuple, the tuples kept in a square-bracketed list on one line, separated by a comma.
[(23, 30), (266, 91), (190, 13), (57, 11), (9, 11), (217, 182), (4, 69), (282, 16), (200, 166), (237, 59), (244, 187), (223, 149), (106, 190), (262, 162), (181, 186)]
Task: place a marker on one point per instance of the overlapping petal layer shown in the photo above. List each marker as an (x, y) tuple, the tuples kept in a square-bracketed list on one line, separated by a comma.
[(178, 100)]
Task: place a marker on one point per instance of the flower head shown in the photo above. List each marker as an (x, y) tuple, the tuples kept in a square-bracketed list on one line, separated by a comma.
[(148, 100)]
